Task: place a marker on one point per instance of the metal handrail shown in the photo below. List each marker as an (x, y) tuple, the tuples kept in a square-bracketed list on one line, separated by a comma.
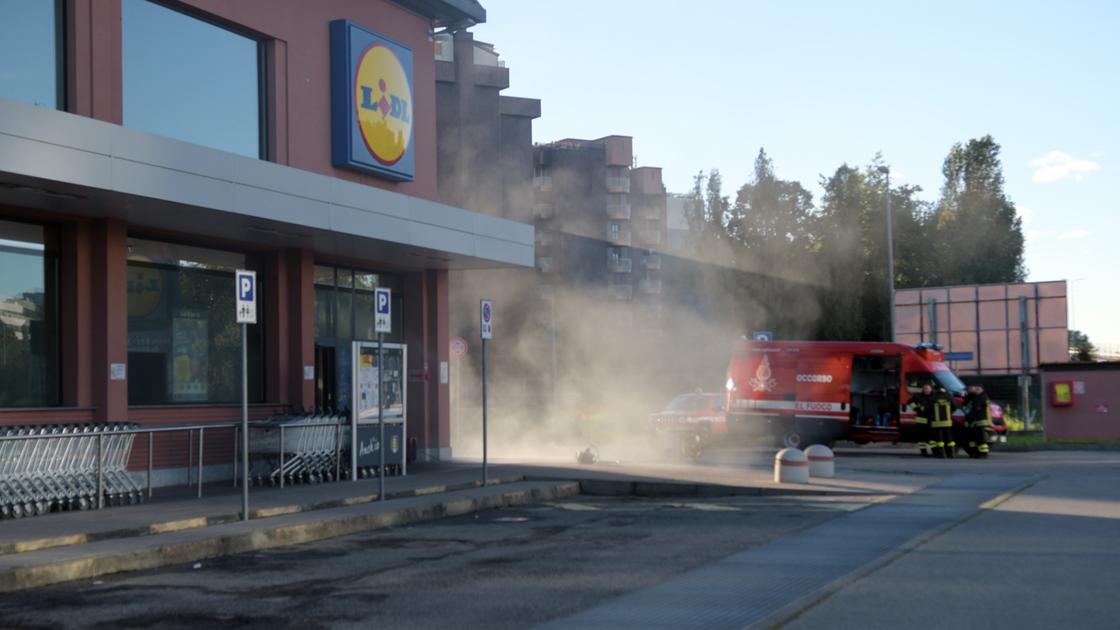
[(167, 429)]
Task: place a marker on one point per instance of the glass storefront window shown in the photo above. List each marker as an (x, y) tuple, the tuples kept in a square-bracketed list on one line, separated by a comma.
[(191, 80), (29, 357), (30, 52), (184, 345), (344, 305)]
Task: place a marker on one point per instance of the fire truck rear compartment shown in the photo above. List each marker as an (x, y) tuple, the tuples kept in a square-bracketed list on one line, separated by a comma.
[(875, 402)]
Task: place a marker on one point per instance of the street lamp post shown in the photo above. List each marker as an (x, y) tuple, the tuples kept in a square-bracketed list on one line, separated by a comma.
[(886, 170)]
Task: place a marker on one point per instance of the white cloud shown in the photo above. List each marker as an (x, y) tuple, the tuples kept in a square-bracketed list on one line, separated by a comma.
[(1071, 234), (1097, 154), (1026, 214), (1057, 165), (1034, 236)]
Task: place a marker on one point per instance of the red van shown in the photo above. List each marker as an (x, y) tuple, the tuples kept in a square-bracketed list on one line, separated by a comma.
[(806, 392)]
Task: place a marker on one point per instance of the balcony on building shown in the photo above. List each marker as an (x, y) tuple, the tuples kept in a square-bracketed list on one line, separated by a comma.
[(651, 261), (618, 211), (651, 286), (543, 210), (544, 239), (618, 184), (543, 183), (546, 264), (621, 290), (618, 236), (620, 264)]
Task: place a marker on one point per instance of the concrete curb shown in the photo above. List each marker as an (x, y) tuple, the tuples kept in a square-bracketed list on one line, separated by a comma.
[(1034, 448), (164, 554), (165, 527), (796, 608), (620, 487)]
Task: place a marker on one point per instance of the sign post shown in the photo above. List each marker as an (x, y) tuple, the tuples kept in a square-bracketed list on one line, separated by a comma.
[(487, 320), (383, 323), (246, 309)]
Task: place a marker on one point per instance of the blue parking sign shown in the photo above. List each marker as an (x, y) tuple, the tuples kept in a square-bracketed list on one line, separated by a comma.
[(382, 308), (246, 304)]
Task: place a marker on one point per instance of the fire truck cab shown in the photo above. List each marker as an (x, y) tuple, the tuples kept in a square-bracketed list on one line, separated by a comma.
[(816, 392)]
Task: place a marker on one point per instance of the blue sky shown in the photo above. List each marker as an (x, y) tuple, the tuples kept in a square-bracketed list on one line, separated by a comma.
[(822, 83)]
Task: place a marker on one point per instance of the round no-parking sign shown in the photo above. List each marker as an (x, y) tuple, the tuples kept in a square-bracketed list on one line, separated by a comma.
[(458, 346)]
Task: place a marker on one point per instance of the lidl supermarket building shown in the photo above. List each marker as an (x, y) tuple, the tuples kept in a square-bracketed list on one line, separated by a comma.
[(150, 148)]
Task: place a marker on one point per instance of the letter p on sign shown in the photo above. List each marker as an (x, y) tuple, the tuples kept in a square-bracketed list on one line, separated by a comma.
[(246, 288)]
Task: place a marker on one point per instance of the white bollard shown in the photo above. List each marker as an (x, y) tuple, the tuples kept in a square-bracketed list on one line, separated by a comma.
[(791, 466), (821, 461)]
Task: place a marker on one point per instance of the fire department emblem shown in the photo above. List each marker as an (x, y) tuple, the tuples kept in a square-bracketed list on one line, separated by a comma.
[(763, 380)]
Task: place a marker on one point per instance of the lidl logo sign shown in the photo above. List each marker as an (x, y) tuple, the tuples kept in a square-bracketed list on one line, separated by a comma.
[(384, 102), (371, 100)]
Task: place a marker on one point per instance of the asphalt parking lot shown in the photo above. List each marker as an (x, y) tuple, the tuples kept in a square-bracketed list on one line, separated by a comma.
[(498, 569)]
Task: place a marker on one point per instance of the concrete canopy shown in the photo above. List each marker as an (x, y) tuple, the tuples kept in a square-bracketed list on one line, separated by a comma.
[(70, 164)]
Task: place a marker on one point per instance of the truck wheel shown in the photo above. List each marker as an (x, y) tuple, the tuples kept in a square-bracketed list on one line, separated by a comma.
[(791, 440)]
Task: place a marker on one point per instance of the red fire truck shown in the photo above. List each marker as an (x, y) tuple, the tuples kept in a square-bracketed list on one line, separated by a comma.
[(806, 392)]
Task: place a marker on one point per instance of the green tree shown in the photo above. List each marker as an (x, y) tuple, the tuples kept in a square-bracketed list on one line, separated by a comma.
[(975, 232), (843, 253), (852, 250), (771, 226), (1080, 348), (705, 213), (772, 218)]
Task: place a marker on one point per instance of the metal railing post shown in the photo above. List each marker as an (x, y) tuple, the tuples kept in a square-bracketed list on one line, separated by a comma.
[(100, 468), (201, 433), (151, 441), (337, 451), (236, 455), (281, 470), (190, 456)]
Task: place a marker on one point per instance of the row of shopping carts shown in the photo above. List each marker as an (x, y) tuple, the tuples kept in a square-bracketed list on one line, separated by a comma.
[(299, 448), (55, 467)]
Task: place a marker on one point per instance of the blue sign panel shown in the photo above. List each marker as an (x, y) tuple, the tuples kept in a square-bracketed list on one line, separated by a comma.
[(371, 103), (382, 302), (762, 335), (958, 356)]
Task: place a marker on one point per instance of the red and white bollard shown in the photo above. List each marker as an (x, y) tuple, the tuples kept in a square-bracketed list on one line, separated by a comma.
[(791, 466), (822, 463)]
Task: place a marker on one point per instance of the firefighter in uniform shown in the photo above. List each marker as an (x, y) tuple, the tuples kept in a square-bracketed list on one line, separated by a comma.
[(978, 417), (920, 403), (941, 424)]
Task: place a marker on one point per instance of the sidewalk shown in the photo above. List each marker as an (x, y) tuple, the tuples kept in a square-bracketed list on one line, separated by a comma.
[(74, 545), (176, 509)]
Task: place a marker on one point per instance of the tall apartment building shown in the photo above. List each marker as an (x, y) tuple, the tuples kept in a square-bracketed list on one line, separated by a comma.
[(589, 189), (485, 138)]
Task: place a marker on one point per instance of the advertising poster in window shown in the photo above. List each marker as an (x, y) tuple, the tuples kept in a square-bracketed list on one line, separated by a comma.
[(369, 394), (394, 384), (189, 363)]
